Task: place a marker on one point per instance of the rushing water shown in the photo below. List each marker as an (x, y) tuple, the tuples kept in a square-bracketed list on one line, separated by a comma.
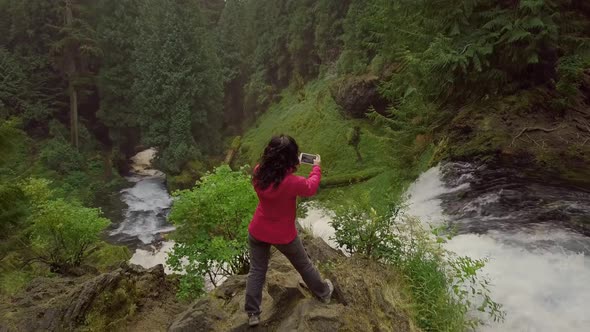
[(144, 220), (529, 230)]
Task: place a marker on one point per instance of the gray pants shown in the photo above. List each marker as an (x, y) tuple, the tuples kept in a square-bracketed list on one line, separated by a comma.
[(294, 251)]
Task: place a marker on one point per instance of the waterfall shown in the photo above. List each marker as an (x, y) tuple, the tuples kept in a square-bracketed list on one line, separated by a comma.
[(539, 265)]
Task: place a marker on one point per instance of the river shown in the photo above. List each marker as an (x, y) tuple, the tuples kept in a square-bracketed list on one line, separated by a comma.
[(144, 222)]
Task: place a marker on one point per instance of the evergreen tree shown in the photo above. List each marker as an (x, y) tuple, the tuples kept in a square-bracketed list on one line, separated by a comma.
[(73, 53), (117, 34), (32, 89), (233, 48), (178, 82)]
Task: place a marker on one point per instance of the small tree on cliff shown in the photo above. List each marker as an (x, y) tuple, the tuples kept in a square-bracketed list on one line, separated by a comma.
[(212, 229), (354, 139), (62, 233)]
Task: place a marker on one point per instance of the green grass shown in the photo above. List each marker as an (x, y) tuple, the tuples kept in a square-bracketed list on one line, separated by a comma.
[(312, 117)]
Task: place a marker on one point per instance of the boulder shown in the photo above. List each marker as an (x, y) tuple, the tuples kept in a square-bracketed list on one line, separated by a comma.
[(355, 95), (366, 298)]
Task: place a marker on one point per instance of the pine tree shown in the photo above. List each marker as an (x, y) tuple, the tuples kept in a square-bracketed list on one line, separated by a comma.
[(117, 35), (73, 53), (178, 83)]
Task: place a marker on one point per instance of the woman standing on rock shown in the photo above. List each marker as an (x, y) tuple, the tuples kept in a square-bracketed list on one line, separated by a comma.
[(274, 221)]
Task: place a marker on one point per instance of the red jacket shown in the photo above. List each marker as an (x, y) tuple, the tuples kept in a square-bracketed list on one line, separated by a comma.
[(274, 219)]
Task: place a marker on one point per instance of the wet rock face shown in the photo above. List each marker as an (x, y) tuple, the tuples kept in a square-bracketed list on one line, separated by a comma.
[(362, 293), (491, 197), (355, 95)]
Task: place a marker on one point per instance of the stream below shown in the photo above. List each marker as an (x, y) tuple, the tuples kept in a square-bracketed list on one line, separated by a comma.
[(144, 221)]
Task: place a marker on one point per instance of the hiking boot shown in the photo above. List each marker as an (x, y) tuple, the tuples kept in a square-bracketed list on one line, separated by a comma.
[(326, 299), (253, 320)]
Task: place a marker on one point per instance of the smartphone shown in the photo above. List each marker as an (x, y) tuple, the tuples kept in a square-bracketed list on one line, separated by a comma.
[(306, 158)]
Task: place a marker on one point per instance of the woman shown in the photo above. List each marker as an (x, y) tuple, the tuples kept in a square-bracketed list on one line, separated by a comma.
[(274, 221)]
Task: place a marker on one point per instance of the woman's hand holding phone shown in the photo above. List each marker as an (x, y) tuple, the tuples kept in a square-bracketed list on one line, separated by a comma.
[(317, 161)]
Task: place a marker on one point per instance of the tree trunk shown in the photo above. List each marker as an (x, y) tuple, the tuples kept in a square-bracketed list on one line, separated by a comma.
[(73, 114), (107, 157), (70, 72), (231, 153)]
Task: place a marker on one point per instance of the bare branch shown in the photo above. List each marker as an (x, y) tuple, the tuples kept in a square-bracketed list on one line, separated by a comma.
[(529, 129), (536, 143)]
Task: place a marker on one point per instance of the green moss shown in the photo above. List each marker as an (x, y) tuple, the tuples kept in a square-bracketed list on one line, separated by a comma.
[(190, 173), (111, 307), (12, 282), (487, 136), (108, 255), (14, 277), (348, 179)]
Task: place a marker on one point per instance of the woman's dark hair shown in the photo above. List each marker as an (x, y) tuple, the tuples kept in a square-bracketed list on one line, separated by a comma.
[(280, 156)]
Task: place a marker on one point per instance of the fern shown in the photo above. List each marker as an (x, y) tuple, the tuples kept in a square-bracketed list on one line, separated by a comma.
[(571, 71)]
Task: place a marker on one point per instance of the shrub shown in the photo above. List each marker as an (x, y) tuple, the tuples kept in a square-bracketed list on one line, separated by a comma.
[(447, 289), (37, 191), (13, 208), (364, 231), (59, 155), (212, 228), (62, 233)]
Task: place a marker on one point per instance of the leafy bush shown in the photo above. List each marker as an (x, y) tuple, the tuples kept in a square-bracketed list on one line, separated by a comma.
[(212, 229), (571, 71), (364, 231), (62, 233), (447, 289), (37, 191), (59, 155), (13, 208), (8, 136)]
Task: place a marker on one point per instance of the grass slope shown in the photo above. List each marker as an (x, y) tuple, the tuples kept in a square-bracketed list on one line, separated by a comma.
[(312, 117)]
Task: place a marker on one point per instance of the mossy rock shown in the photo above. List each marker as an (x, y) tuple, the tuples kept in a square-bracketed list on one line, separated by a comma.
[(367, 297), (191, 172), (356, 95), (129, 298)]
